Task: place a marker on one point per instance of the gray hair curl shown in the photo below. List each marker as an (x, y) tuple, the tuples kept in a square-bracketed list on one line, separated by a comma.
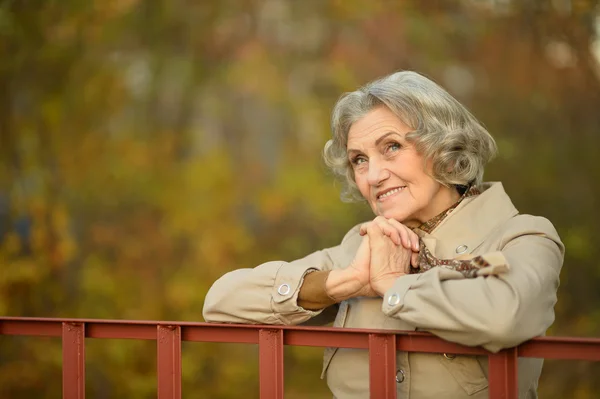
[(444, 131)]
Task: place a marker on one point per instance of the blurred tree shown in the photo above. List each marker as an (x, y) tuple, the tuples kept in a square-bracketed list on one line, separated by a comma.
[(149, 147)]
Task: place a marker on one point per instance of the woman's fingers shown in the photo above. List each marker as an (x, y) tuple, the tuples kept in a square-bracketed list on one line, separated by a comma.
[(412, 238), (385, 228), (405, 238), (374, 230), (414, 260), (396, 231), (408, 238)]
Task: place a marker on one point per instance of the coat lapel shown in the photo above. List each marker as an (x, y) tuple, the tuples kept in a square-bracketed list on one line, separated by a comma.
[(467, 226)]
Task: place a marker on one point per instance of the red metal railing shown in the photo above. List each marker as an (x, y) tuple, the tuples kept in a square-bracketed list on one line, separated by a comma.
[(382, 346)]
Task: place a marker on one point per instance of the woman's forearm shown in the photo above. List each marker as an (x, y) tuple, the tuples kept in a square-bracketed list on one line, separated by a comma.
[(322, 289), (313, 293)]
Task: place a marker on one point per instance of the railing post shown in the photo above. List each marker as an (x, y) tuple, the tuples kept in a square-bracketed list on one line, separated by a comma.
[(270, 362), (382, 366), (169, 361), (503, 366), (73, 354), (503, 375)]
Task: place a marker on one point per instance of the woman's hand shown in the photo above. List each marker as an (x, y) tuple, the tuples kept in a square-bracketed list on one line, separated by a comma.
[(388, 260), (360, 268), (396, 231), (354, 280), (392, 238)]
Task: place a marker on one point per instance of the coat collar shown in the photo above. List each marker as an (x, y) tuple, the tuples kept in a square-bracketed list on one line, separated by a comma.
[(467, 226)]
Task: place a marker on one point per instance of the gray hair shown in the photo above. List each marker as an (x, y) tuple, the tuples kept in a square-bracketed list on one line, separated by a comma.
[(444, 131)]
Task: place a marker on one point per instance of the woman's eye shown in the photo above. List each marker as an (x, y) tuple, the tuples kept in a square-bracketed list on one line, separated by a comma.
[(358, 161), (394, 146)]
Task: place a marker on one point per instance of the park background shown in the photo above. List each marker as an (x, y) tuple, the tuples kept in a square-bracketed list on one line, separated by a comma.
[(148, 147)]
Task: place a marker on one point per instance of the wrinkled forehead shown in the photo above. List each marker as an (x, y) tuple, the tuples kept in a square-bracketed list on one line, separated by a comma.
[(376, 123)]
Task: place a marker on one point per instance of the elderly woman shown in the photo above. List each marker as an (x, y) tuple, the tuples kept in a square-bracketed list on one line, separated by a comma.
[(445, 253)]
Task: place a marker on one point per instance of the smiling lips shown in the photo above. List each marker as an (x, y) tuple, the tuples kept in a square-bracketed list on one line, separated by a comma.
[(382, 195)]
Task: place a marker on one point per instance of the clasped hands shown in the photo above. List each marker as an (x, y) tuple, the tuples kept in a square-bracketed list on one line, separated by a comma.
[(387, 251)]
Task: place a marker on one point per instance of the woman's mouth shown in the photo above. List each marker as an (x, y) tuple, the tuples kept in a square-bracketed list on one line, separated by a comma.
[(386, 194)]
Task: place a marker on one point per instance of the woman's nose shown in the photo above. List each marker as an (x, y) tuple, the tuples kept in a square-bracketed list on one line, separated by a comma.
[(377, 174)]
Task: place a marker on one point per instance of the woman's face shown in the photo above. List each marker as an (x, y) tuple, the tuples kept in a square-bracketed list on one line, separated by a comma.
[(389, 172)]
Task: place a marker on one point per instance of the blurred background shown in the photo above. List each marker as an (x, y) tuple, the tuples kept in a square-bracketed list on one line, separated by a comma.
[(148, 147)]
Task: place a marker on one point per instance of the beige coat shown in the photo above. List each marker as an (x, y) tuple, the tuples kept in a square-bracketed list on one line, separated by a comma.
[(495, 312)]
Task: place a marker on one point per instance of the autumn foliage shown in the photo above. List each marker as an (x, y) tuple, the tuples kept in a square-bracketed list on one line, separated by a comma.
[(148, 147)]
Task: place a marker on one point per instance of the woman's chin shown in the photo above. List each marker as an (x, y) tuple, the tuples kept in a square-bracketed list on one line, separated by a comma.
[(400, 217), (393, 215)]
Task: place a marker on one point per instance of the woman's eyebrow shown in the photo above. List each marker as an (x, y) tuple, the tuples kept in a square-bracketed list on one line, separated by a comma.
[(380, 139), (351, 151)]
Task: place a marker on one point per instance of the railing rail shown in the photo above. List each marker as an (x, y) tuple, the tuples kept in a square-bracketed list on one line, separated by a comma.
[(382, 346)]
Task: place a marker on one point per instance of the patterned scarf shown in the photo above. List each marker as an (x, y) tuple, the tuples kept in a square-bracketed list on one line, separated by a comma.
[(468, 267)]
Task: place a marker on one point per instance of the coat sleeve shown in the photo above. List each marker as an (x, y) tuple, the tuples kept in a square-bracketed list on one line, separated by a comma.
[(268, 294), (495, 312)]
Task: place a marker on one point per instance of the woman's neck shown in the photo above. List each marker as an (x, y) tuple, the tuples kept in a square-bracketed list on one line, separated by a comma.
[(444, 199)]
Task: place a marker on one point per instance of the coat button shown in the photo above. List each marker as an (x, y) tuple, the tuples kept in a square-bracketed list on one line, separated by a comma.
[(284, 289), (400, 376), (461, 249), (393, 300)]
